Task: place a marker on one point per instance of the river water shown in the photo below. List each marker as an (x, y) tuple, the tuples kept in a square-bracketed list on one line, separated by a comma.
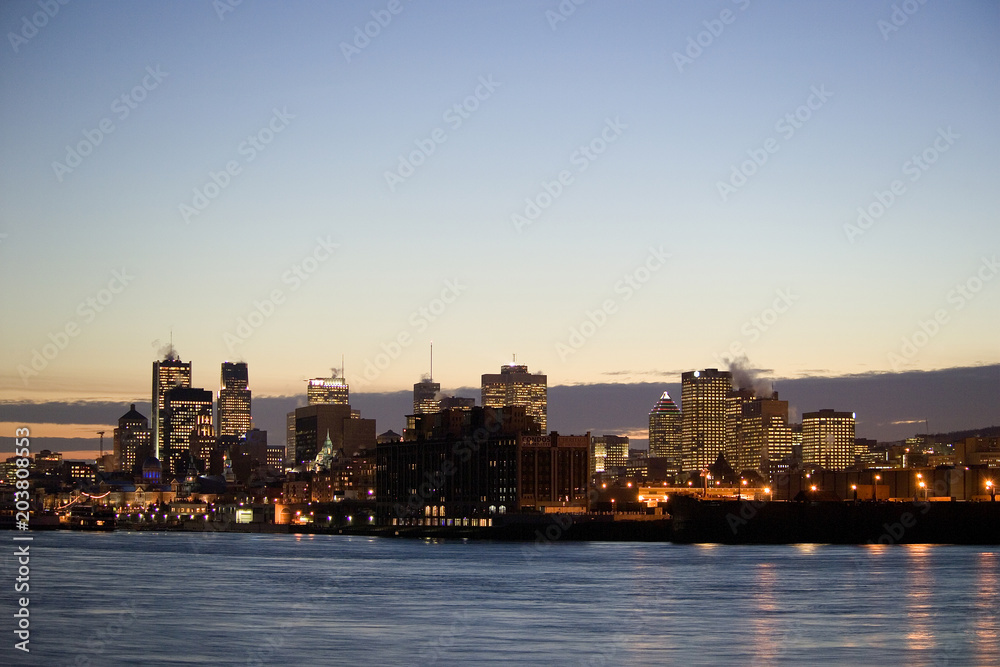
[(128, 598)]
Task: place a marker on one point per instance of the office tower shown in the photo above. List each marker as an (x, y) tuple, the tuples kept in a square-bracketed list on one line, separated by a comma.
[(133, 441), (514, 385), (609, 454), (290, 438), (665, 431), (765, 438), (828, 439), (425, 397), (167, 374), (328, 391), (187, 422), (703, 416), (234, 399), (735, 400)]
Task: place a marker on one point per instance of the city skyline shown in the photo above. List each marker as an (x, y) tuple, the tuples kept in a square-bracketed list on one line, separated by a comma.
[(585, 402), (617, 195)]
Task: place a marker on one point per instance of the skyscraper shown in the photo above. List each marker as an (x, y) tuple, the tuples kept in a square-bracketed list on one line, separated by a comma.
[(828, 439), (234, 399), (133, 443), (514, 385), (608, 454), (426, 397), (328, 391), (703, 416), (665, 431), (735, 400), (765, 438), (187, 417), (167, 374)]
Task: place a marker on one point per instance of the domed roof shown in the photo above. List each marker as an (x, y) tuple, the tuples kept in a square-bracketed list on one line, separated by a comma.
[(152, 463)]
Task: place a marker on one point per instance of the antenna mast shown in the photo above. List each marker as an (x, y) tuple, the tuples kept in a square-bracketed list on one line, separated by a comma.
[(432, 361)]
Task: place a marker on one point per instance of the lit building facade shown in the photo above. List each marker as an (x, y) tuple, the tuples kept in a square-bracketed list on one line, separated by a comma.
[(132, 441), (328, 391), (608, 454), (828, 439), (703, 416), (187, 421), (514, 385), (553, 471), (665, 431), (464, 467), (234, 399), (764, 437), (167, 374), (426, 397), (735, 400)]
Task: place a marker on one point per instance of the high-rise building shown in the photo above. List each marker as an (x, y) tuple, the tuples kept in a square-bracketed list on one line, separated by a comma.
[(735, 400), (426, 397), (703, 416), (167, 374), (608, 454), (765, 438), (665, 431), (514, 385), (328, 391), (133, 443), (234, 399), (187, 421), (828, 439)]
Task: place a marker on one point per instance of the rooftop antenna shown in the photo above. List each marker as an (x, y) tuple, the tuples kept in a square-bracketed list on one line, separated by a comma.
[(343, 374), (432, 361)]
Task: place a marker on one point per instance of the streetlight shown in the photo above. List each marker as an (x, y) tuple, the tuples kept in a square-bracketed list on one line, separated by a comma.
[(854, 487), (923, 487), (878, 478), (992, 489)]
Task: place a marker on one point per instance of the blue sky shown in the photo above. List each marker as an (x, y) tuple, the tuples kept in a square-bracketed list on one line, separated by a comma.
[(851, 298)]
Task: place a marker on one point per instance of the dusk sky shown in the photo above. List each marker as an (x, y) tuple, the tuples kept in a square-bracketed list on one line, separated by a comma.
[(616, 195)]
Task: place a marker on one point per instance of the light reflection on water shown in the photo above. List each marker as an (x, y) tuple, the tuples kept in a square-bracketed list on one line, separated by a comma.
[(178, 599)]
